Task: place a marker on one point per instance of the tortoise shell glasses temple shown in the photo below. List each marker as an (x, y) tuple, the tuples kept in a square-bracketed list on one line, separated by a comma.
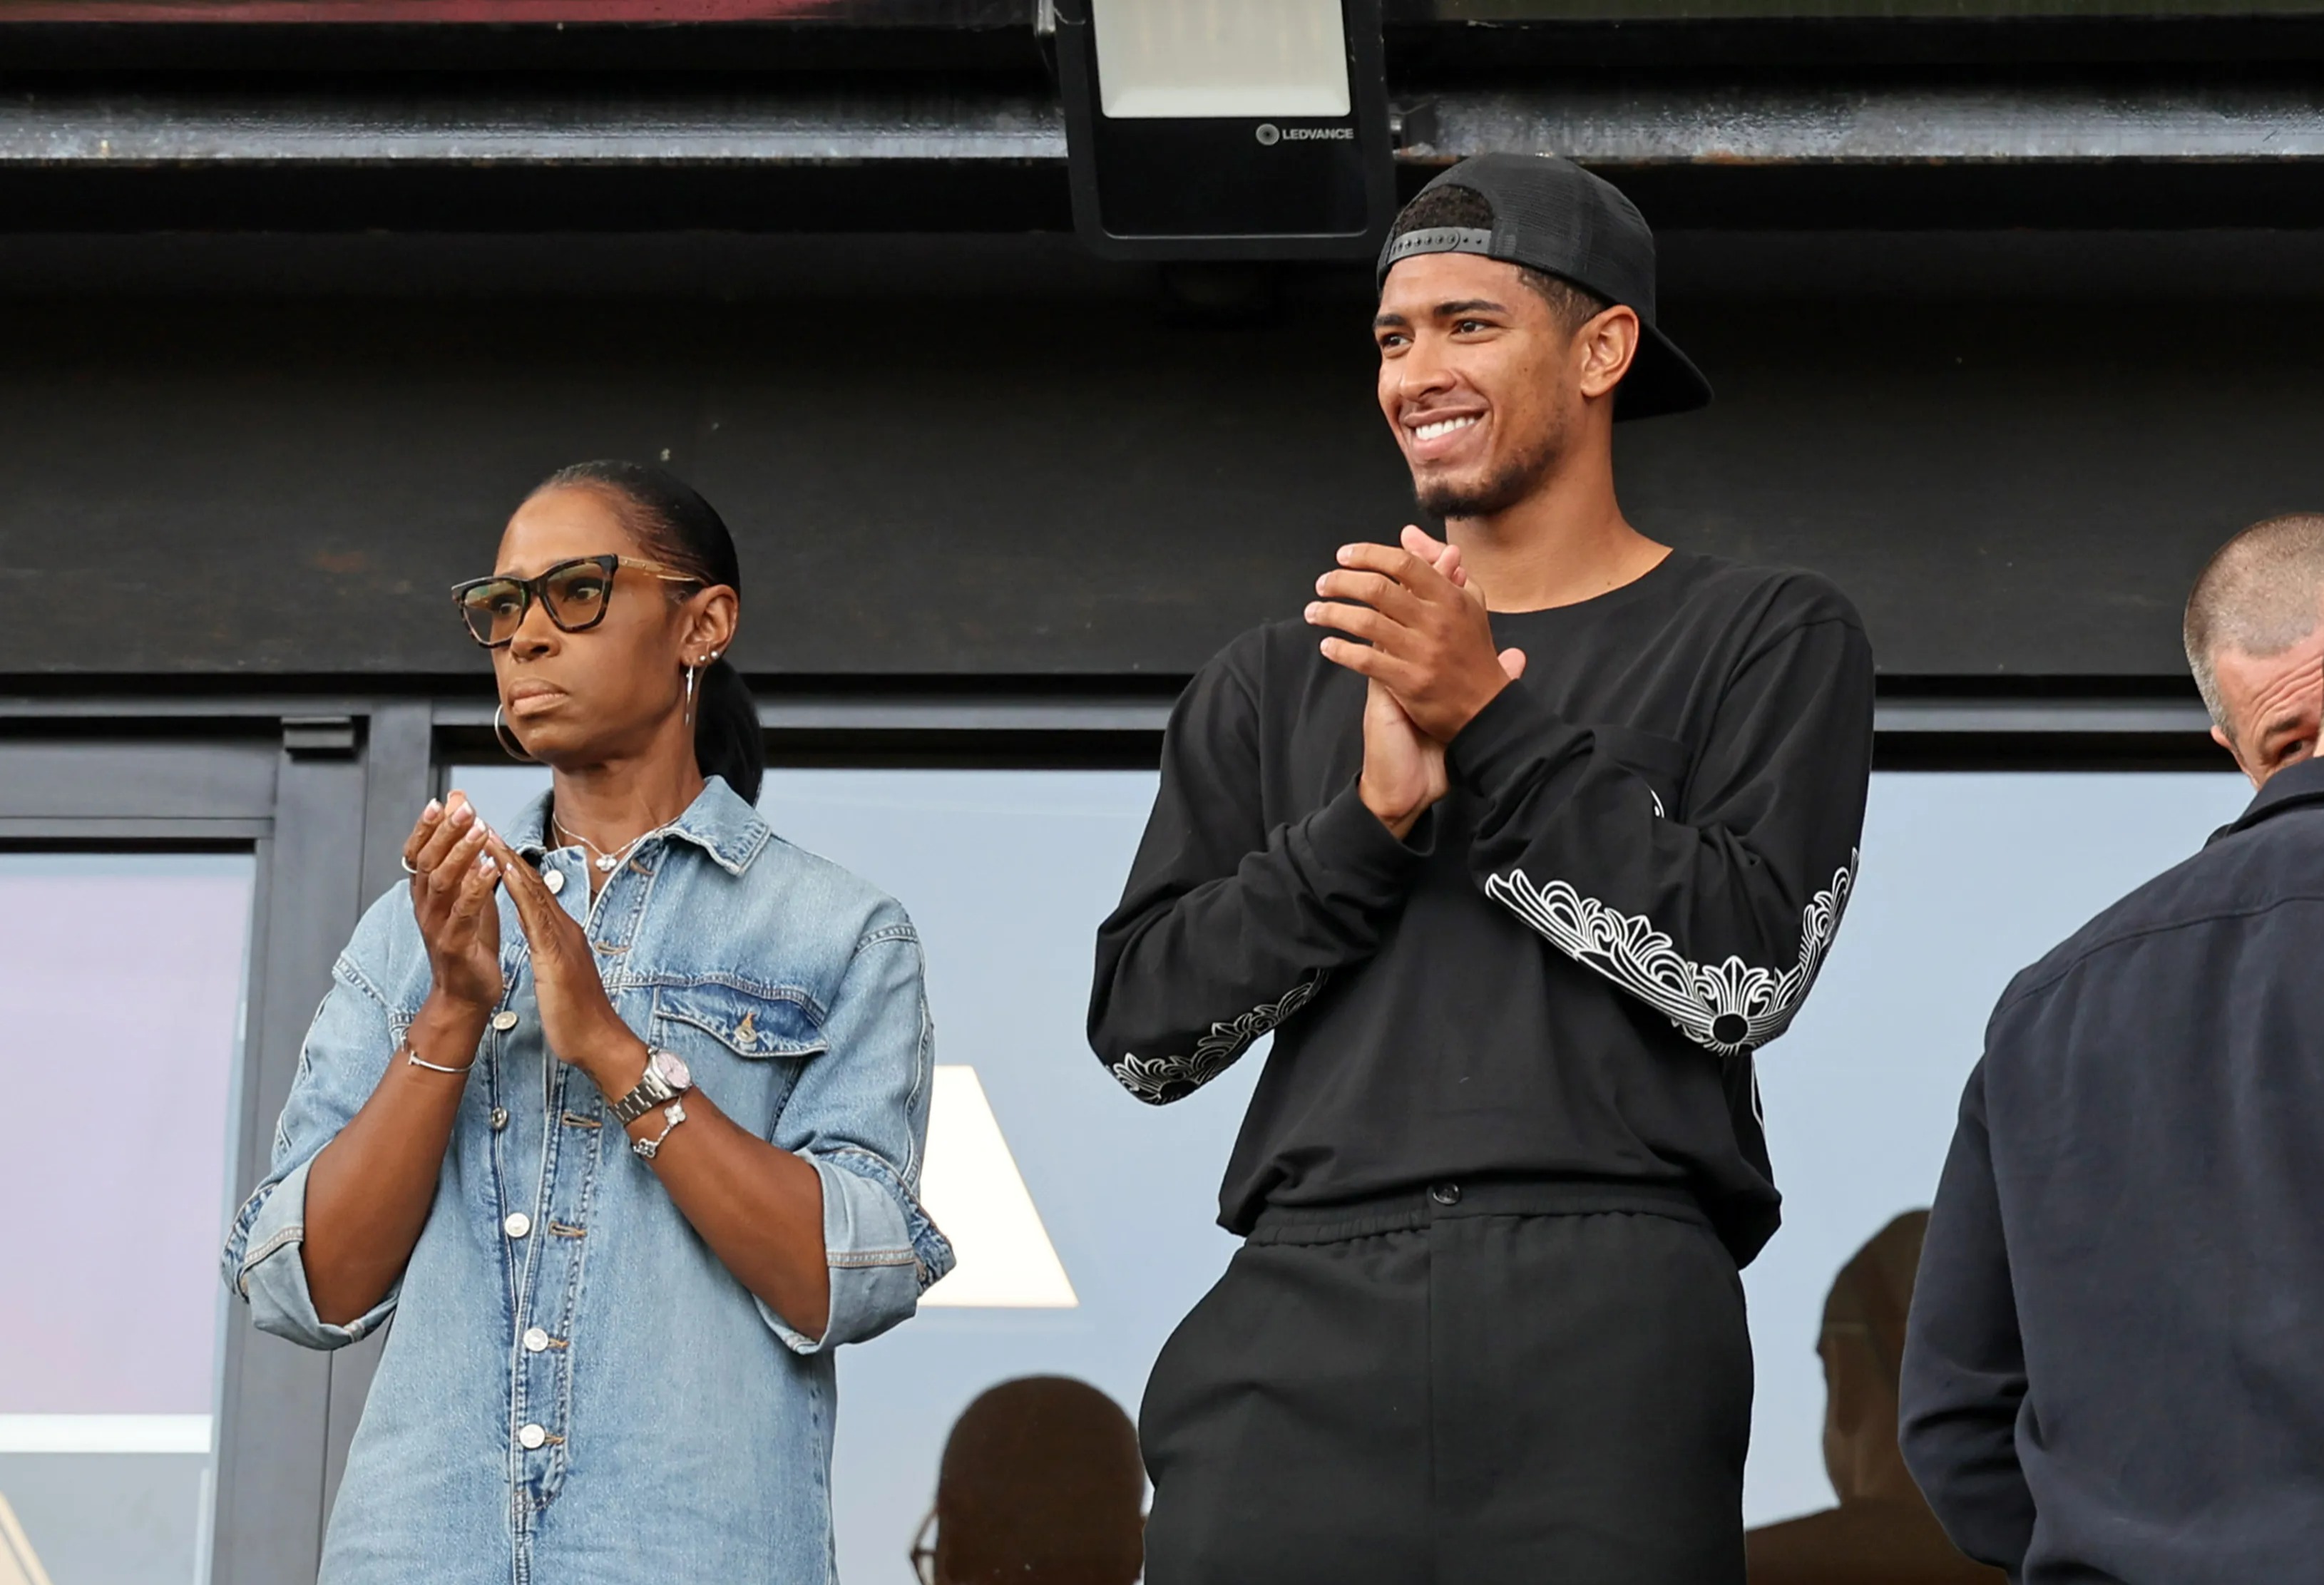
[(924, 1550), (536, 588)]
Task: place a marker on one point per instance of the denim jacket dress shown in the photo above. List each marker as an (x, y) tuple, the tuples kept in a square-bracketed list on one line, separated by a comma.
[(575, 1389)]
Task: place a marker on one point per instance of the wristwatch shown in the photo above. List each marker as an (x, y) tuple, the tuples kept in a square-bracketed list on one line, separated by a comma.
[(665, 1079)]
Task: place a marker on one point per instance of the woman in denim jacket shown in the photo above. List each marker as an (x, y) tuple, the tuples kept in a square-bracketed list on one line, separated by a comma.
[(620, 1111)]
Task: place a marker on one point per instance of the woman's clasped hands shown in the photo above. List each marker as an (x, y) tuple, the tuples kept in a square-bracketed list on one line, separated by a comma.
[(452, 882), (576, 1017), (457, 862)]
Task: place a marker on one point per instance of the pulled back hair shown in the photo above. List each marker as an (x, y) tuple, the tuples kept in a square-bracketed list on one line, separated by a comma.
[(672, 523), (1573, 305)]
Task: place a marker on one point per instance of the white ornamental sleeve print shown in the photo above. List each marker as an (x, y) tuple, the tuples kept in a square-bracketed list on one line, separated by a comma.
[(1160, 1080), (1227, 928), (1716, 914), (1730, 1006)]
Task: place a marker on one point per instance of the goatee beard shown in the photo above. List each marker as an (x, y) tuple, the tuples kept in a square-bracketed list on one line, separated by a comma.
[(1490, 496)]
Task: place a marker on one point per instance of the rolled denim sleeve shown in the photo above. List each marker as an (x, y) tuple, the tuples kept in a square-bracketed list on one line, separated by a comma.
[(347, 1051), (860, 1116)]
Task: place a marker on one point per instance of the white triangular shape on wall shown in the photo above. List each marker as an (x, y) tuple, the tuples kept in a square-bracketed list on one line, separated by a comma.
[(971, 1186), (19, 1565)]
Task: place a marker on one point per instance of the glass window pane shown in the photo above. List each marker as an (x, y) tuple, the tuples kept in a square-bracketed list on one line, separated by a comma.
[(121, 998), (1966, 879), (1006, 874), (1083, 1270), (1082, 1261)]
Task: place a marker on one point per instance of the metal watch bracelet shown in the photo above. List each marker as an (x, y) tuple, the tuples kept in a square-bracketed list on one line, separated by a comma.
[(664, 1078)]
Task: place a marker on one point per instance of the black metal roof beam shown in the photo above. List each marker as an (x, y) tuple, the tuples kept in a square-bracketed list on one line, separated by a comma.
[(1474, 40), (1887, 122), (523, 154), (471, 36), (524, 124), (1614, 125)]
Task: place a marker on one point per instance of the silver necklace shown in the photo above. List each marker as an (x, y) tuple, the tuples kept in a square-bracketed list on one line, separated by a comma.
[(606, 862)]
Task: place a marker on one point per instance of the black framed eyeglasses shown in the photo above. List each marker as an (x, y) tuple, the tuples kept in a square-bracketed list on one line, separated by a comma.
[(574, 592)]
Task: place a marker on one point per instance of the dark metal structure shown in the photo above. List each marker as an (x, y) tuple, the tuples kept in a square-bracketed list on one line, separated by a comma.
[(2012, 307)]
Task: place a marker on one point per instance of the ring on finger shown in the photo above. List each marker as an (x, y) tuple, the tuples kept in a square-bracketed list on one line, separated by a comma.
[(408, 867)]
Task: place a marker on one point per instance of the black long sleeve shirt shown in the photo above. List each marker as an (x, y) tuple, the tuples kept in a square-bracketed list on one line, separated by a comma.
[(1565, 968), (2111, 1372)]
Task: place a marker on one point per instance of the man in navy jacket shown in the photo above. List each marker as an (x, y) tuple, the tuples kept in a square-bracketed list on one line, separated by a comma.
[(2115, 1364)]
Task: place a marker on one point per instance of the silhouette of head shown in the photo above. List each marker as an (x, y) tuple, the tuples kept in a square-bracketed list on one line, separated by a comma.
[(1882, 1532), (1041, 1485), (1863, 1350)]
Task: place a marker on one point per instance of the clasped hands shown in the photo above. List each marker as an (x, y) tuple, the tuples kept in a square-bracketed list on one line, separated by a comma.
[(1427, 658), (457, 862)]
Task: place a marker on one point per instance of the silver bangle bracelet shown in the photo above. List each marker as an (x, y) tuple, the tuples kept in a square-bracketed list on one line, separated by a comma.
[(671, 1116), (413, 1057)]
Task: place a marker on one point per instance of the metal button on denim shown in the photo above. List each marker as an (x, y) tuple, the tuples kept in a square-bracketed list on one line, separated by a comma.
[(535, 1340), (1445, 1194), (517, 1225), (505, 1020), (554, 880), (531, 1436), (499, 1118)]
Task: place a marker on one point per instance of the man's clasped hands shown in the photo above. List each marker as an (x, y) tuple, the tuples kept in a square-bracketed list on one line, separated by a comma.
[(1420, 636)]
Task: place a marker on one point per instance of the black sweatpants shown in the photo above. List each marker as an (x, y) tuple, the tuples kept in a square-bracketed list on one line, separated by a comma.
[(1538, 1382)]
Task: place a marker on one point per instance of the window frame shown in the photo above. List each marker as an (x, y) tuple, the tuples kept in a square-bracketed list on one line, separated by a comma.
[(313, 795)]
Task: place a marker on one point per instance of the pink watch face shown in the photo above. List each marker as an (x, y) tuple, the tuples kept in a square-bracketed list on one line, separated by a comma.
[(671, 1069)]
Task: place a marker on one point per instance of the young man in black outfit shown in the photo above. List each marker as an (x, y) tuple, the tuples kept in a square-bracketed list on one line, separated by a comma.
[(1522, 844)]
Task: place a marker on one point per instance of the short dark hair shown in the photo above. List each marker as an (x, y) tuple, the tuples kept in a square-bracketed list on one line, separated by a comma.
[(2261, 593), (1455, 206), (1040, 1484)]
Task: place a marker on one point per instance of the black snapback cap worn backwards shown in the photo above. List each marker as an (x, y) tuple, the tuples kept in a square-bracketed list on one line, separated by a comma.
[(1549, 215)]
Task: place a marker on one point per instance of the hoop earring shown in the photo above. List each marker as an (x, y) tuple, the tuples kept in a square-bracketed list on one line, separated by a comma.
[(689, 694), (510, 743)]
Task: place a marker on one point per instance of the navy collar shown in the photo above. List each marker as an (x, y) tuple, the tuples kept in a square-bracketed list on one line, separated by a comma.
[(718, 822), (2294, 787)]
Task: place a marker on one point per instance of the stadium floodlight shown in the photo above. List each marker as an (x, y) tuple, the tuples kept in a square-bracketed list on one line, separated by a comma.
[(1226, 129)]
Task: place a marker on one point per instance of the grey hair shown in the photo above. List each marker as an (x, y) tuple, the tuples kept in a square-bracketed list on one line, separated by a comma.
[(2261, 593)]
